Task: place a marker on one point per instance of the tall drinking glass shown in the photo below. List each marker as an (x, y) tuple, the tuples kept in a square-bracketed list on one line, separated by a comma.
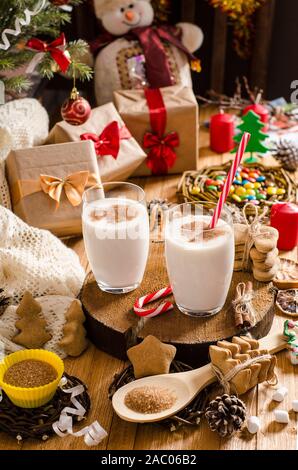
[(116, 235), (199, 259)]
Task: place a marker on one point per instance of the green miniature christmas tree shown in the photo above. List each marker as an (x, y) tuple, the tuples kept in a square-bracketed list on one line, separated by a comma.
[(251, 123)]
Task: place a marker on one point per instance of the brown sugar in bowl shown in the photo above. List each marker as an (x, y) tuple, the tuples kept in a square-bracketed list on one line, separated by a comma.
[(30, 373), (40, 382)]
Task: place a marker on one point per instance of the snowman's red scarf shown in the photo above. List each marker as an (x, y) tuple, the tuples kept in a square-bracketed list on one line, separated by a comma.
[(151, 39)]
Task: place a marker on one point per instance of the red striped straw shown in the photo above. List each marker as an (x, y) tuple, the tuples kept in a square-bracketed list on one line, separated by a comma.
[(230, 179)]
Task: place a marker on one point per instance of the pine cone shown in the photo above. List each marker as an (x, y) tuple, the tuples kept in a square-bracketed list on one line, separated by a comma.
[(287, 153), (226, 414)]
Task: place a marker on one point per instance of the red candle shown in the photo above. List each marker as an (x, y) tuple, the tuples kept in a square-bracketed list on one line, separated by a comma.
[(284, 217), (261, 111), (222, 128)]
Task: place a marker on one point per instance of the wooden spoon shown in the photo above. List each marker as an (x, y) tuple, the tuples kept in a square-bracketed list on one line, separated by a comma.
[(185, 385)]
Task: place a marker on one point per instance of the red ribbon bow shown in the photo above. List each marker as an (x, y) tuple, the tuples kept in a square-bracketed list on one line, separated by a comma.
[(108, 142), (54, 48), (162, 155)]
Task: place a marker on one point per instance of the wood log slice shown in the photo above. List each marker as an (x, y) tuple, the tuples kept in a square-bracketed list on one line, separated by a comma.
[(110, 318)]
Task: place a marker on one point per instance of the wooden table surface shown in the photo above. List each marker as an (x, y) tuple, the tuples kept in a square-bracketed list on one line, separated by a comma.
[(97, 369)]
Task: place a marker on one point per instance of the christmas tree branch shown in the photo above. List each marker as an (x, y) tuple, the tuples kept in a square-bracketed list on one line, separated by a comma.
[(16, 84), (47, 23)]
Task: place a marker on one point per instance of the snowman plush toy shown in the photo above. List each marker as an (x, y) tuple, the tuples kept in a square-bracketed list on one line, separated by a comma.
[(133, 53)]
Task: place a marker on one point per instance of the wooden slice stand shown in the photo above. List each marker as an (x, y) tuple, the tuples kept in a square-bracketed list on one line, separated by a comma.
[(110, 318)]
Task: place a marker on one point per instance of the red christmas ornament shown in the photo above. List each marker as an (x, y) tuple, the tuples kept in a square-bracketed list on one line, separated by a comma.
[(75, 110), (222, 129), (284, 217), (261, 111)]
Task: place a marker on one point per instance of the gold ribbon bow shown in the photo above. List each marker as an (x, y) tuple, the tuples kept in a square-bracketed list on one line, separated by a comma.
[(73, 185)]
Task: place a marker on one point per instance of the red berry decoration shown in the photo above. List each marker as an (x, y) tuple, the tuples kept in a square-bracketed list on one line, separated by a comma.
[(75, 110)]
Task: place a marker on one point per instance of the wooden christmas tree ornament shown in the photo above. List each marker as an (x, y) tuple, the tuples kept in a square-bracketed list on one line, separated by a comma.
[(251, 123)]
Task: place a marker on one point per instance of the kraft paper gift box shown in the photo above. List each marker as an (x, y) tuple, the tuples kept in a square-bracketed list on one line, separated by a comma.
[(46, 184), (166, 126), (118, 153)]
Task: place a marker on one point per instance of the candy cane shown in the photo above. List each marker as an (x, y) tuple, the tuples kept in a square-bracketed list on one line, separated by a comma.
[(146, 299)]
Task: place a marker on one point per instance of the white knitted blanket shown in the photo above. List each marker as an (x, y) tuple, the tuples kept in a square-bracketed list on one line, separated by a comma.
[(35, 260), (24, 123)]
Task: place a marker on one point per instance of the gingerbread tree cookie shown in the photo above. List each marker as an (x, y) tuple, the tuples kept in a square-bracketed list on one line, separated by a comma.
[(32, 326), (74, 340)]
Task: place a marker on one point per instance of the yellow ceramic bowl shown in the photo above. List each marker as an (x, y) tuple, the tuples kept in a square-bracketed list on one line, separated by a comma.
[(36, 396)]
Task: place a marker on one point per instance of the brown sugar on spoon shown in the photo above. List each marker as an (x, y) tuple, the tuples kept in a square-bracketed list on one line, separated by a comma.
[(30, 373), (149, 399)]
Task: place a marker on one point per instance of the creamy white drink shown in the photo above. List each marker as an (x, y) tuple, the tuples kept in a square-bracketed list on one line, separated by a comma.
[(116, 236), (199, 263)]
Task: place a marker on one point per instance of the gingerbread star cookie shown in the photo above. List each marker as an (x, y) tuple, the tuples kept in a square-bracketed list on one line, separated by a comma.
[(151, 357)]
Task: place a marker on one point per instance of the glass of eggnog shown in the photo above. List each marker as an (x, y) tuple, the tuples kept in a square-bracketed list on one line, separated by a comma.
[(116, 235), (199, 259)]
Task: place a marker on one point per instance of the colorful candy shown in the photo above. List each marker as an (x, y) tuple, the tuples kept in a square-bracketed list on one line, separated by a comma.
[(240, 191), (195, 190), (271, 190), (260, 179), (249, 185), (251, 192)]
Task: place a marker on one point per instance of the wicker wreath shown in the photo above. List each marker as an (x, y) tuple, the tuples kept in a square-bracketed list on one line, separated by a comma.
[(191, 186), (36, 423)]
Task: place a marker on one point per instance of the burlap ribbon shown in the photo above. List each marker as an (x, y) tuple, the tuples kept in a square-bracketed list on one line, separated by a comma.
[(73, 185), (252, 233)]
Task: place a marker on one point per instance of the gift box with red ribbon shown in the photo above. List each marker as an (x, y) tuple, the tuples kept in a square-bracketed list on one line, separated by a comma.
[(118, 153), (165, 123), (47, 184)]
